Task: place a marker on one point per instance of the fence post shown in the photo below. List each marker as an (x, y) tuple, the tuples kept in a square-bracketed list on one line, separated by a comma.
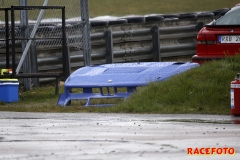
[(109, 46), (13, 41), (7, 38), (156, 44), (25, 34), (27, 46), (65, 49), (86, 32)]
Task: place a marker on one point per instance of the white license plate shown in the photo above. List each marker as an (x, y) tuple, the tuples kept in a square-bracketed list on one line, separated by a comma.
[(229, 39)]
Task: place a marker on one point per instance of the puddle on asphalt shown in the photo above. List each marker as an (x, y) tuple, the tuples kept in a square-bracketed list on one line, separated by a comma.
[(205, 121), (199, 121), (87, 140), (30, 118), (26, 118)]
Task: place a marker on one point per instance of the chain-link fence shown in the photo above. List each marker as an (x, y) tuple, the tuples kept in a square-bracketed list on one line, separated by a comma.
[(50, 26), (43, 29)]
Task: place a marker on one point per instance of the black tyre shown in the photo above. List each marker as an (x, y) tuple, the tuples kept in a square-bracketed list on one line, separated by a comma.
[(46, 28), (169, 16), (46, 24), (98, 23), (136, 19), (187, 16), (205, 14), (117, 21), (216, 12), (153, 18)]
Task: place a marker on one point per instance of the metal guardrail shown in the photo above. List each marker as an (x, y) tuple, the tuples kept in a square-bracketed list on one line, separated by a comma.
[(127, 39)]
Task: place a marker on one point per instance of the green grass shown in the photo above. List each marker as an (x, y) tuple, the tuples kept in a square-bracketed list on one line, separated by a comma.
[(143, 7), (127, 7), (202, 90)]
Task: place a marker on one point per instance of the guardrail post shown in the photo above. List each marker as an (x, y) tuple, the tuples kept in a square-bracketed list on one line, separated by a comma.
[(156, 44), (34, 64), (109, 46)]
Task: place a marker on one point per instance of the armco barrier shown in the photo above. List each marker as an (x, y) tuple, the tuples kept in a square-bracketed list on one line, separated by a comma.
[(122, 39)]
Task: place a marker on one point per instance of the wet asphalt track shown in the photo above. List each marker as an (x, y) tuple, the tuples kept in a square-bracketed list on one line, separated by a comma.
[(94, 136)]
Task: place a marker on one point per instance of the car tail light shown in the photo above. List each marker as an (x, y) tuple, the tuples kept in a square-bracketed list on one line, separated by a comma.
[(206, 39), (201, 37), (201, 42), (210, 37)]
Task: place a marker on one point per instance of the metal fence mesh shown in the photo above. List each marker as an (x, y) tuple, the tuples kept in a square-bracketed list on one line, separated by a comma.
[(50, 26)]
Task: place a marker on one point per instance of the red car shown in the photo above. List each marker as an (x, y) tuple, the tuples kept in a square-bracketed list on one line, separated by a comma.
[(220, 38)]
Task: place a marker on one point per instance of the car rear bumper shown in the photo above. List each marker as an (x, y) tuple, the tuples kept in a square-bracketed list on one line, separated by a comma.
[(202, 59)]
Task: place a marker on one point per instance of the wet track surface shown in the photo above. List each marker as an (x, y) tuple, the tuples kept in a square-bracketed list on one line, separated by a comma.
[(115, 136)]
